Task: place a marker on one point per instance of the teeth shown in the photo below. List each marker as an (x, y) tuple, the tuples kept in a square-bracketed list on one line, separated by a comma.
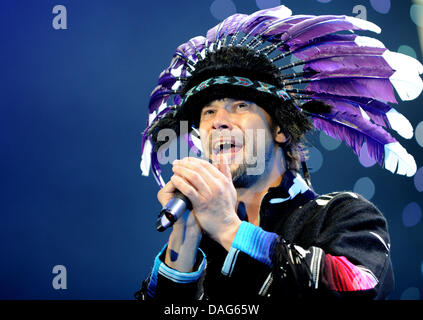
[(222, 145)]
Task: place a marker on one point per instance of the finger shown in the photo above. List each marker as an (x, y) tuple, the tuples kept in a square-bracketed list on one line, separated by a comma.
[(169, 187), (204, 168), (203, 165), (166, 193), (186, 189), (194, 178)]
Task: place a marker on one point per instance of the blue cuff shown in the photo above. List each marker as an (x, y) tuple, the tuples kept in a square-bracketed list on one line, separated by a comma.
[(161, 268), (255, 242)]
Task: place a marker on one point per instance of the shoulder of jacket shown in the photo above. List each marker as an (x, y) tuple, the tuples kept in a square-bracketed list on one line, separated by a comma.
[(324, 199)]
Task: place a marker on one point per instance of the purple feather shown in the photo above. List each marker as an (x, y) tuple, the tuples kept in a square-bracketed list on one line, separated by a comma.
[(251, 23), (335, 48), (155, 168), (349, 66), (333, 37), (301, 27), (276, 13), (365, 103), (341, 107), (376, 110), (180, 52), (281, 26), (154, 104), (192, 147), (380, 89), (158, 96), (374, 136), (167, 80), (262, 26), (258, 17), (159, 104), (227, 26), (189, 49), (320, 26), (177, 99), (185, 49), (197, 43)]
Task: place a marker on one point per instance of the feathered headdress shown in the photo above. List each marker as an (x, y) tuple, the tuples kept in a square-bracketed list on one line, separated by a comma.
[(353, 74)]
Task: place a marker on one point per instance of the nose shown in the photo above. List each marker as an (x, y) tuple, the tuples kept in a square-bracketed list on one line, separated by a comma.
[(222, 120)]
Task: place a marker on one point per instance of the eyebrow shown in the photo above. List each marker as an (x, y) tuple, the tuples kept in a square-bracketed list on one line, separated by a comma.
[(234, 101)]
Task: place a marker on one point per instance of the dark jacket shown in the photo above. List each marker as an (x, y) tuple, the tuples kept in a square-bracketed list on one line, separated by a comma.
[(306, 246)]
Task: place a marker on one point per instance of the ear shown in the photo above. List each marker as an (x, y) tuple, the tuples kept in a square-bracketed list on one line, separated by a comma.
[(279, 136)]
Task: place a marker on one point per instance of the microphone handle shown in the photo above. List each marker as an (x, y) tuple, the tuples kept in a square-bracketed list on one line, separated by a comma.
[(172, 211)]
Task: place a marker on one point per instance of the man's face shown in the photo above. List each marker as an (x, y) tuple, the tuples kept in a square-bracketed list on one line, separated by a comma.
[(237, 132)]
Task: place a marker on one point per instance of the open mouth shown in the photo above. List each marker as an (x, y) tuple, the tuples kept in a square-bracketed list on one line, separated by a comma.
[(226, 146)]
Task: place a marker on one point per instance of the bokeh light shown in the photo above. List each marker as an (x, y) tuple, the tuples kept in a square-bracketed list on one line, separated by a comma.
[(412, 214), (221, 9), (324, 1), (418, 133), (328, 142), (407, 50), (365, 187), (265, 4), (416, 14), (418, 179), (364, 158), (315, 160), (381, 6), (411, 293)]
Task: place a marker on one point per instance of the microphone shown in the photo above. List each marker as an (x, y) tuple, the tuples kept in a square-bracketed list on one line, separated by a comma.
[(171, 212)]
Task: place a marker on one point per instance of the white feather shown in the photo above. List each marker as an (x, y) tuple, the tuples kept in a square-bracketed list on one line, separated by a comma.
[(159, 180), (176, 72), (176, 85), (399, 61), (400, 124), (362, 41), (408, 84), (203, 53), (162, 107), (364, 114), (151, 117), (219, 45), (399, 160), (211, 47), (196, 140), (363, 24), (146, 158)]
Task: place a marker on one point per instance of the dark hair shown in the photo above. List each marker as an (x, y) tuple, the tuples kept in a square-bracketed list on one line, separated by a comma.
[(243, 62)]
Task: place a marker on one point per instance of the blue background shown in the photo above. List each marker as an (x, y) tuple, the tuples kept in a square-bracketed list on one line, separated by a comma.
[(73, 105)]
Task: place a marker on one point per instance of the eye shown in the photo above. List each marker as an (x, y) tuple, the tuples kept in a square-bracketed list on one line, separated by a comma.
[(207, 112), (242, 106)]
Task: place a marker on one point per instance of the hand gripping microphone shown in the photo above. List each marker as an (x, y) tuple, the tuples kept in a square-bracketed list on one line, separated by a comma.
[(172, 211)]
